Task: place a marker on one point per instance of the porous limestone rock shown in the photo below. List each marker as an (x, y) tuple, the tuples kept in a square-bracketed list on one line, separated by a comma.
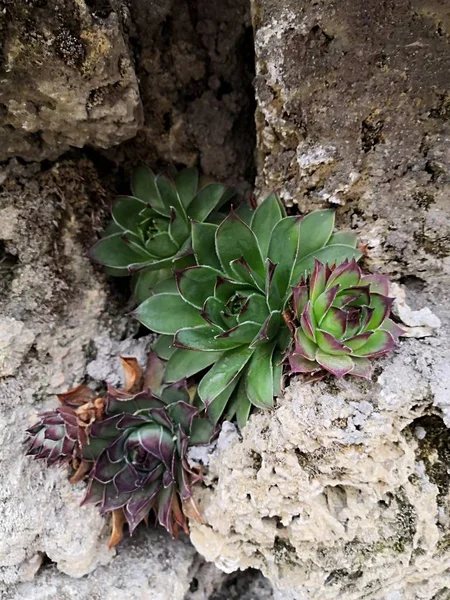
[(67, 78), (342, 491)]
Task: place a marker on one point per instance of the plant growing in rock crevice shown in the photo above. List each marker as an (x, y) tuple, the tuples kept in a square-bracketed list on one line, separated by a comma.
[(151, 230), (227, 310), (131, 444), (341, 320)]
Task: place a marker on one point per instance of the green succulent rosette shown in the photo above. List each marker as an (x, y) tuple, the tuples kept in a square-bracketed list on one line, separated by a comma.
[(150, 233), (341, 321), (226, 313)]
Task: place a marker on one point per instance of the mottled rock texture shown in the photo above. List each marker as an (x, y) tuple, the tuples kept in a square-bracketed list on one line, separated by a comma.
[(353, 111), (67, 77), (342, 491), (69, 74), (57, 317), (195, 64)]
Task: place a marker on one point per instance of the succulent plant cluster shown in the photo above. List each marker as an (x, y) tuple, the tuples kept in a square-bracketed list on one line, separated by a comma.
[(341, 321), (131, 444), (227, 310), (150, 231), (237, 299)]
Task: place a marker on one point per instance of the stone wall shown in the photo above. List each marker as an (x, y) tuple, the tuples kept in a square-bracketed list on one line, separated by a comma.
[(343, 490)]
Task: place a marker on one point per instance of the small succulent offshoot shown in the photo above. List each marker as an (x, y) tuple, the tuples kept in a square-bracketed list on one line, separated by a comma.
[(151, 230), (133, 449), (340, 321), (227, 310)]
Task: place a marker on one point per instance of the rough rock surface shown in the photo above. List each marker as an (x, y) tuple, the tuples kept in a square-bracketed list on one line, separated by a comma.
[(67, 81), (67, 78), (353, 112), (342, 491), (195, 64), (147, 566)]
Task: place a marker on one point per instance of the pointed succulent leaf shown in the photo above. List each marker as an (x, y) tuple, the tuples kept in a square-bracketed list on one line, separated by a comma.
[(271, 289), (186, 182), (207, 199), (346, 275), (182, 414), (304, 346), (223, 373), (264, 219), (394, 329), (242, 272), (381, 306), (216, 408), (163, 346), (342, 237), (361, 367), (212, 312), (277, 363), (378, 283), (322, 304), (318, 281), (114, 251), (169, 195), (300, 364), (331, 254), (255, 309), (161, 246), (243, 333), (202, 431), (337, 365), (144, 281), (328, 343), (167, 313), (178, 228), (239, 405), (308, 321), (204, 244), (234, 239), (358, 341), (334, 322), (300, 297), (165, 286), (379, 343), (259, 381), (143, 186), (185, 363), (205, 338), (283, 249), (196, 284), (268, 330), (126, 212), (315, 231)]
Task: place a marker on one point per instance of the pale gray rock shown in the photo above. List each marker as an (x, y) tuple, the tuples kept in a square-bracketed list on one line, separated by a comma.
[(334, 494), (56, 318), (150, 565)]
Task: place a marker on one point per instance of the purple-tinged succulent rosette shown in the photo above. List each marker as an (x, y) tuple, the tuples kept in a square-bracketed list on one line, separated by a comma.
[(341, 321), (143, 465)]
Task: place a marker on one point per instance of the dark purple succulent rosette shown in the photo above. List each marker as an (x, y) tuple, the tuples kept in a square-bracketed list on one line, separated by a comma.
[(56, 437), (141, 447), (342, 321)]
